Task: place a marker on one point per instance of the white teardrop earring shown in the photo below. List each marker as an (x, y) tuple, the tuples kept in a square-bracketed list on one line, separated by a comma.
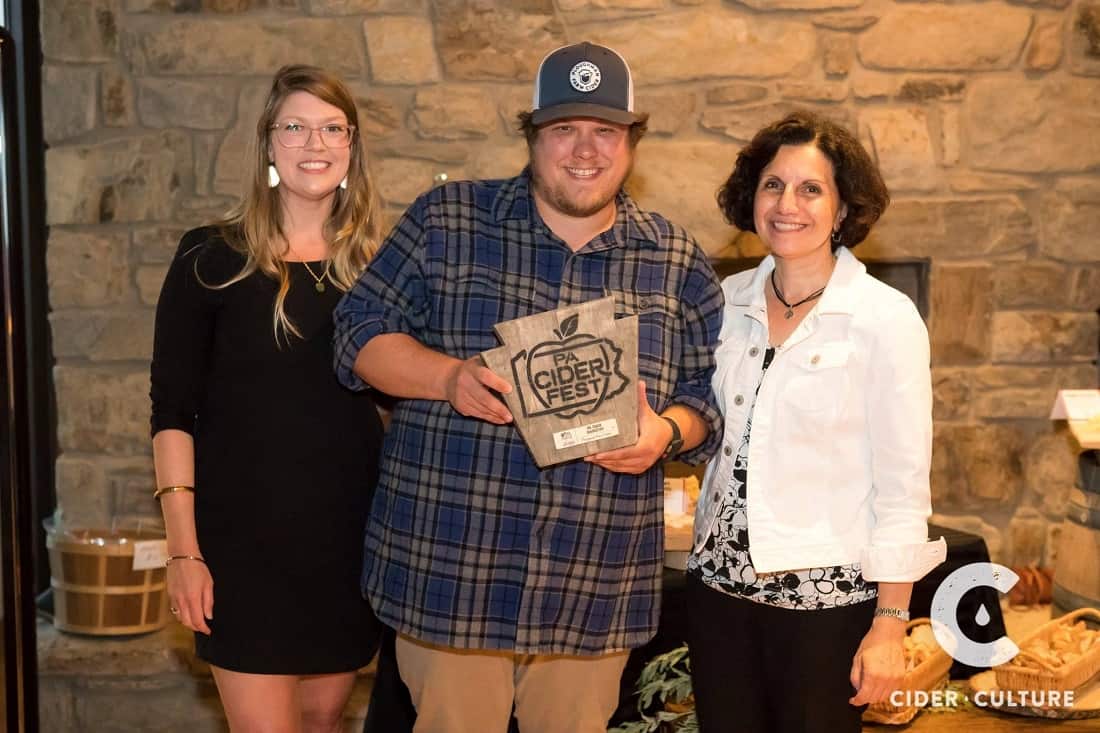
[(272, 176), (344, 183)]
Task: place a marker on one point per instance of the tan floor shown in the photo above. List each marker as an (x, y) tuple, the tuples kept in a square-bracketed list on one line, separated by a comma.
[(987, 722), (977, 720), (984, 721)]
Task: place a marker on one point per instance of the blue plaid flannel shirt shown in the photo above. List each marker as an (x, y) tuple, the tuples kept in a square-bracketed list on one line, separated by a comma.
[(469, 543)]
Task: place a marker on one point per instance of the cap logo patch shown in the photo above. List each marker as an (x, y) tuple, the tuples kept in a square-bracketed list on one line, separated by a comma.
[(585, 76)]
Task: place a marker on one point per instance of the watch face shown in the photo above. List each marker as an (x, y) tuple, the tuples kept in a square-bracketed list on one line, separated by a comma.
[(676, 442), (673, 448)]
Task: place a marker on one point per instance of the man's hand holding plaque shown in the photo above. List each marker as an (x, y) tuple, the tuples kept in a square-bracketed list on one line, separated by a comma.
[(573, 374), (470, 390)]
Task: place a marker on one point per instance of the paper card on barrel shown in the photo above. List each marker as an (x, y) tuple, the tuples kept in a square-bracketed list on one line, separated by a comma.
[(1081, 409), (573, 373)]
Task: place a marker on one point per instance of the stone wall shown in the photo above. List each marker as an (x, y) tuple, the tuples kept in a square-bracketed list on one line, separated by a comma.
[(983, 116)]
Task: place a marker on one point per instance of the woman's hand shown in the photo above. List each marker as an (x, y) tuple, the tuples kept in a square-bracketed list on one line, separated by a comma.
[(191, 593), (879, 663)]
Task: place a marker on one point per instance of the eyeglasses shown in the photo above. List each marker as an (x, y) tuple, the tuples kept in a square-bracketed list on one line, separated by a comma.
[(297, 135)]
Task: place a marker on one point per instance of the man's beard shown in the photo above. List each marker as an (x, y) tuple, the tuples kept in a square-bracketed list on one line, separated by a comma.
[(560, 199)]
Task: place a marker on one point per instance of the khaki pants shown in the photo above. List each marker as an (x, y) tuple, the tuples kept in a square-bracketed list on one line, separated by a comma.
[(472, 691)]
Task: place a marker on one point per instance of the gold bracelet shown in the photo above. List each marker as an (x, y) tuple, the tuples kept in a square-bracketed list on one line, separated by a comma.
[(171, 490), (183, 557)]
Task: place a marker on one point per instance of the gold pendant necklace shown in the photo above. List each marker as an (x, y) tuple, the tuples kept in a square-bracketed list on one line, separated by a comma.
[(319, 282)]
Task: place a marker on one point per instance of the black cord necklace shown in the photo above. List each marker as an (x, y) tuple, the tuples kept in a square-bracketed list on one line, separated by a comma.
[(790, 308)]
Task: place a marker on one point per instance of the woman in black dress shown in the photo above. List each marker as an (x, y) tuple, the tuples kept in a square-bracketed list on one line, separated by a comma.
[(264, 463)]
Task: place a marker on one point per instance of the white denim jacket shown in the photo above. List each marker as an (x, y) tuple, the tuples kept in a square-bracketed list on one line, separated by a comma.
[(841, 442)]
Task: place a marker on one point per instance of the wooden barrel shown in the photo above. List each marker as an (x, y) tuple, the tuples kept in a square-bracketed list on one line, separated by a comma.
[(95, 588), (1077, 569)]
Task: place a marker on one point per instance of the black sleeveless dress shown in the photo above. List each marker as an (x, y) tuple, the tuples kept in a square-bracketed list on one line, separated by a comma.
[(285, 463)]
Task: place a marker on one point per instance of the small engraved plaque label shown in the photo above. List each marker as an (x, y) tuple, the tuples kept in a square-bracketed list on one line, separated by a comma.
[(586, 434)]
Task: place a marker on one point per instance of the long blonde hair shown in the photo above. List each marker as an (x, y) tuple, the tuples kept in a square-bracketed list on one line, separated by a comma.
[(254, 226)]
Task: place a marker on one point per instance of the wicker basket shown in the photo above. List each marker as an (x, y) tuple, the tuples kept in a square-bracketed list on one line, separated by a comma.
[(1012, 676), (929, 675), (97, 591)]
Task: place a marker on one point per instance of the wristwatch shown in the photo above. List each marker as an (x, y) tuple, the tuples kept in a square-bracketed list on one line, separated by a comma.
[(677, 442)]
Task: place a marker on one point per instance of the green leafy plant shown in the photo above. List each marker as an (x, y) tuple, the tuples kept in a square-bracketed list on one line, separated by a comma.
[(664, 696)]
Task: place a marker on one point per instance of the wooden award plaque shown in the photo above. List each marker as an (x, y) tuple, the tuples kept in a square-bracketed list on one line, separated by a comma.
[(574, 374)]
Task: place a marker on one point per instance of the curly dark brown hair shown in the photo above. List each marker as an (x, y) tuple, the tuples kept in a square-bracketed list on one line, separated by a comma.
[(531, 131), (858, 180)]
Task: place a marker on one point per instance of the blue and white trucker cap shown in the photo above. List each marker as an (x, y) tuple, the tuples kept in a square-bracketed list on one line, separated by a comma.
[(584, 80)]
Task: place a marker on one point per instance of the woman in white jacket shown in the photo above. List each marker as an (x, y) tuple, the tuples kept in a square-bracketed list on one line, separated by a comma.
[(811, 527)]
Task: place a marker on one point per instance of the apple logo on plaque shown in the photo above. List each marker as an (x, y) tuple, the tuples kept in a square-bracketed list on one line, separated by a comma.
[(571, 376)]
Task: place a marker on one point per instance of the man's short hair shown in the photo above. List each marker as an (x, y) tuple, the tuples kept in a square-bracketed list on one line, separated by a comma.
[(530, 130)]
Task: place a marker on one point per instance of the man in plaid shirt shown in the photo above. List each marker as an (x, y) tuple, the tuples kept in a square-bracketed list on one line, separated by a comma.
[(507, 583)]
